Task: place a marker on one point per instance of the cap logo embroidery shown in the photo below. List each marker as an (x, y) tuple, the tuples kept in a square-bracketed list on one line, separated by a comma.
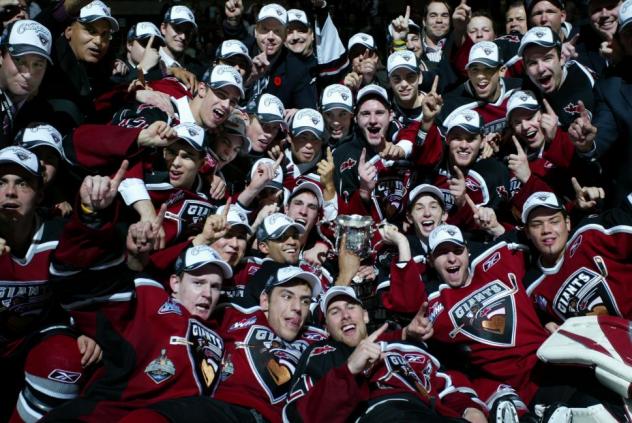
[(451, 232), (468, 117), (543, 197), (524, 98), (487, 51), (539, 34), (21, 155)]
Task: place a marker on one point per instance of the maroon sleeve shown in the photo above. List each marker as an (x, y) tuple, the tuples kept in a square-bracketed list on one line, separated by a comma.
[(171, 86), (460, 56), (161, 262), (104, 146), (354, 206), (109, 102), (334, 397), (430, 153), (462, 395), (407, 292), (561, 150)]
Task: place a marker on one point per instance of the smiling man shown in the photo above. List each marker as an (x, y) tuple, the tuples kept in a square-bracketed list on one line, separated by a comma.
[(594, 254), (562, 83), (264, 344), (372, 378), (25, 50), (179, 29), (80, 72)]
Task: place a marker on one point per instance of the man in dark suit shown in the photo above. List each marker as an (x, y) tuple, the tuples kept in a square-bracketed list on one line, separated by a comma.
[(613, 112)]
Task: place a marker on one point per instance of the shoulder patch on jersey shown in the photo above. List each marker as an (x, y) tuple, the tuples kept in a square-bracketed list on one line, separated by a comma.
[(435, 310), (170, 307), (161, 368)]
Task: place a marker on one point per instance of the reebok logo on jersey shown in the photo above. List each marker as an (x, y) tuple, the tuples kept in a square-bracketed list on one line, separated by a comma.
[(491, 261), (242, 324), (64, 376), (323, 350)]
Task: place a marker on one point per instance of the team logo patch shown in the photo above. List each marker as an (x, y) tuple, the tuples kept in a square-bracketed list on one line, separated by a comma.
[(585, 293), (161, 368), (347, 164), (64, 376), (487, 315), (400, 368), (271, 360), (571, 108), (242, 324), (206, 350), (170, 307)]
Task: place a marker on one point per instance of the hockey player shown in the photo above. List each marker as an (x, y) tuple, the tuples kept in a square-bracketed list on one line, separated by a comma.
[(583, 272), (379, 377), (158, 345)]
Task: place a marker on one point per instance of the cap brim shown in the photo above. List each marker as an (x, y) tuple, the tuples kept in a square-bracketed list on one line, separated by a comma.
[(270, 118), (13, 162), (236, 224), (183, 21), (192, 143), (226, 269), (311, 187), (545, 44), (89, 19), (449, 241), (469, 128), (328, 300), (272, 17), (530, 107), (298, 131), (300, 228), (18, 50), (222, 84), (409, 67), (526, 212), (485, 62), (310, 278), (436, 192), (35, 144), (624, 24), (334, 106)]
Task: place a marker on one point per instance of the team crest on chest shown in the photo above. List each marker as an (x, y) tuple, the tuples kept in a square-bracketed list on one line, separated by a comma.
[(400, 368), (206, 350), (161, 368), (487, 315), (272, 361), (585, 293)]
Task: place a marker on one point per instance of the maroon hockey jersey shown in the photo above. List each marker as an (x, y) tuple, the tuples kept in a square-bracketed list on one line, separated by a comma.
[(592, 277), (258, 364), (493, 318)]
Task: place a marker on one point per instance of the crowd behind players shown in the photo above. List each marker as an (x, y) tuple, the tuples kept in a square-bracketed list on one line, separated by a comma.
[(168, 244)]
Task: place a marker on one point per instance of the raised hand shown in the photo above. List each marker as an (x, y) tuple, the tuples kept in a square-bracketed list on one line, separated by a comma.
[(265, 173), (150, 56), (234, 9), (367, 353), (325, 170), (431, 105), (353, 81), (581, 131), (420, 328), (368, 176), (218, 187), (569, 51), (548, 121), (158, 134), (456, 185), (154, 98), (391, 151), (186, 77), (368, 66), (586, 197), (400, 25), (519, 163), (485, 218), (98, 192), (461, 16)]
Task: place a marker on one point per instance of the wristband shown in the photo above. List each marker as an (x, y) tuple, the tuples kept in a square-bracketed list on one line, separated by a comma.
[(87, 210)]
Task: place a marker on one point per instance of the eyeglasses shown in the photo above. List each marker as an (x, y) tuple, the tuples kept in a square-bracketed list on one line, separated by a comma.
[(10, 11)]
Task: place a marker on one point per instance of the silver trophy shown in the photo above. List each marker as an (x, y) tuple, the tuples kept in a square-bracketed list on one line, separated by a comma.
[(358, 230)]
